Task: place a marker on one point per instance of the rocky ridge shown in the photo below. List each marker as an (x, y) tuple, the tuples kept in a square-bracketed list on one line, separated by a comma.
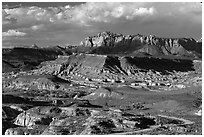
[(111, 43), (105, 67)]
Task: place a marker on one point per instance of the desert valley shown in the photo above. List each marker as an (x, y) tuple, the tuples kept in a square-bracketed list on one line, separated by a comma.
[(109, 84)]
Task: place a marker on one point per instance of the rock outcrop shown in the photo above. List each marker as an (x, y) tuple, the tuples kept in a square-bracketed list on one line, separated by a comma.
[(31, 84), (10, 112), (17, 131), (103, 93), (31, 119), (46, 115)]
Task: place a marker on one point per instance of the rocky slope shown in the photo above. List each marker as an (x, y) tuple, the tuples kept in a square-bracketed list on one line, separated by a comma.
[(110, 43)]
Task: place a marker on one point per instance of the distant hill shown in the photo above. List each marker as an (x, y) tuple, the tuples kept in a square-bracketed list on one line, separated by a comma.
[(25, 58), (111, 43)]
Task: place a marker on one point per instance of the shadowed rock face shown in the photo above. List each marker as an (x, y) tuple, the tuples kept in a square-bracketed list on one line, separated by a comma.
[(13, 99), (22, 58), (110, 43)]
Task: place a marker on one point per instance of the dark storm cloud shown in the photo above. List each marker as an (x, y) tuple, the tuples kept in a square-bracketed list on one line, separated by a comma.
[(62, 23)]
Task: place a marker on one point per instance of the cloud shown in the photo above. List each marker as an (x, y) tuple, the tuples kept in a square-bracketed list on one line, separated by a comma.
[(37, 27), (109, 12), (13, 33), (80, 14), (6, 19), (95, 12), (73, 23), (28, 13)]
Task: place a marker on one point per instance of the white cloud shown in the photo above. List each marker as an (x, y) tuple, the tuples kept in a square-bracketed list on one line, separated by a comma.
[(37, 27), (108, 12), (81, 14), (6, 19), (95, 12), (14, 33), (144, 11)]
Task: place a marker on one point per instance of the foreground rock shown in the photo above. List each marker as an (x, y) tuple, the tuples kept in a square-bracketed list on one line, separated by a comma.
[(45, 115), (16, 131), (36, 130)]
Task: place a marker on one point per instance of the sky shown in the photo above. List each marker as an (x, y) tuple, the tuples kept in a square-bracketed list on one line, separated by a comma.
[(63, 23)]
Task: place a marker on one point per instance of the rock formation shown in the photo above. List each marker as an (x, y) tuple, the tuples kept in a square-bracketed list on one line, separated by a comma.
[(111, 43), (107, 68)]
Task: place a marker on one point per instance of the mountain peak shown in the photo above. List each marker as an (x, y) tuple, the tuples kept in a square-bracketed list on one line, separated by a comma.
[(114, 43)]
